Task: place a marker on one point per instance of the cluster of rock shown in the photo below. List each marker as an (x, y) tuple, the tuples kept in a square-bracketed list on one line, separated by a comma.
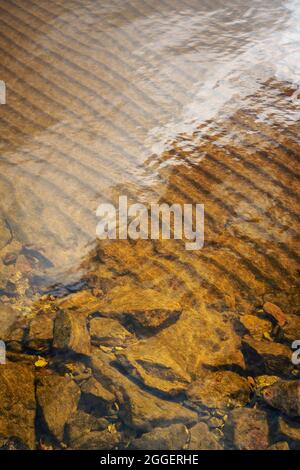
[(134, 369)]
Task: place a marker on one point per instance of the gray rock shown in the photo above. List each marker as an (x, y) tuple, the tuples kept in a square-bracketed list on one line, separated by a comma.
[(202, 439), (173, 437), (284, 395), (71, 333), (17, 403), (58, 397), (250, 429)]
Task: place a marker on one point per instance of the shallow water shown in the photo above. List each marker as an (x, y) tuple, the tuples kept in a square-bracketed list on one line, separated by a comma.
[(162, 101)]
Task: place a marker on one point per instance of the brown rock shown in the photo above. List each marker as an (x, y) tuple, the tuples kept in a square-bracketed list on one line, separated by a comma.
[(291, 329), (147, 308), (8, 318), (285, 396), (275, 312), (139, 409), (250, 429), (40, 333), (173, 437), (17, 403), (220, 389), (167, 360), (202, 439), (289, 429), (255, 326), (5, 235), (58, 397), (108, 332), (265, 357), (70, 332)]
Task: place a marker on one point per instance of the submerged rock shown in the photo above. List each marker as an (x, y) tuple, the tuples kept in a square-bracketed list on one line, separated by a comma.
[(71, 333), (256, 327), (108, 332), (285, 396), (8, 318), (17, 403), (97, 440), (168, 360), (145, 308), (82, 423), (173, 437), (140, 409), (291, 329), (58, 397), (265, 357), (220, 389), (202, 439), (275, 312), (40, 334), (250, 429), (289, 429), (96, 396)]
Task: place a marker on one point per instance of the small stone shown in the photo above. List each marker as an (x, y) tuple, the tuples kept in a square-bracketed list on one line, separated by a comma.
[(215, 422), (256, 327), (202, 439), (275, 312), (250, 429), (285, 396), (71, 333), (264, 357), (220, 389), (10, 258), (289, 429), (263, 381), (173, 437), (108, 332), (281, 445), (58, 397)]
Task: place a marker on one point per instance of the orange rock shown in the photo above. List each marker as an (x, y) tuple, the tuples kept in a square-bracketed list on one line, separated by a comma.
[(275, 312)]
